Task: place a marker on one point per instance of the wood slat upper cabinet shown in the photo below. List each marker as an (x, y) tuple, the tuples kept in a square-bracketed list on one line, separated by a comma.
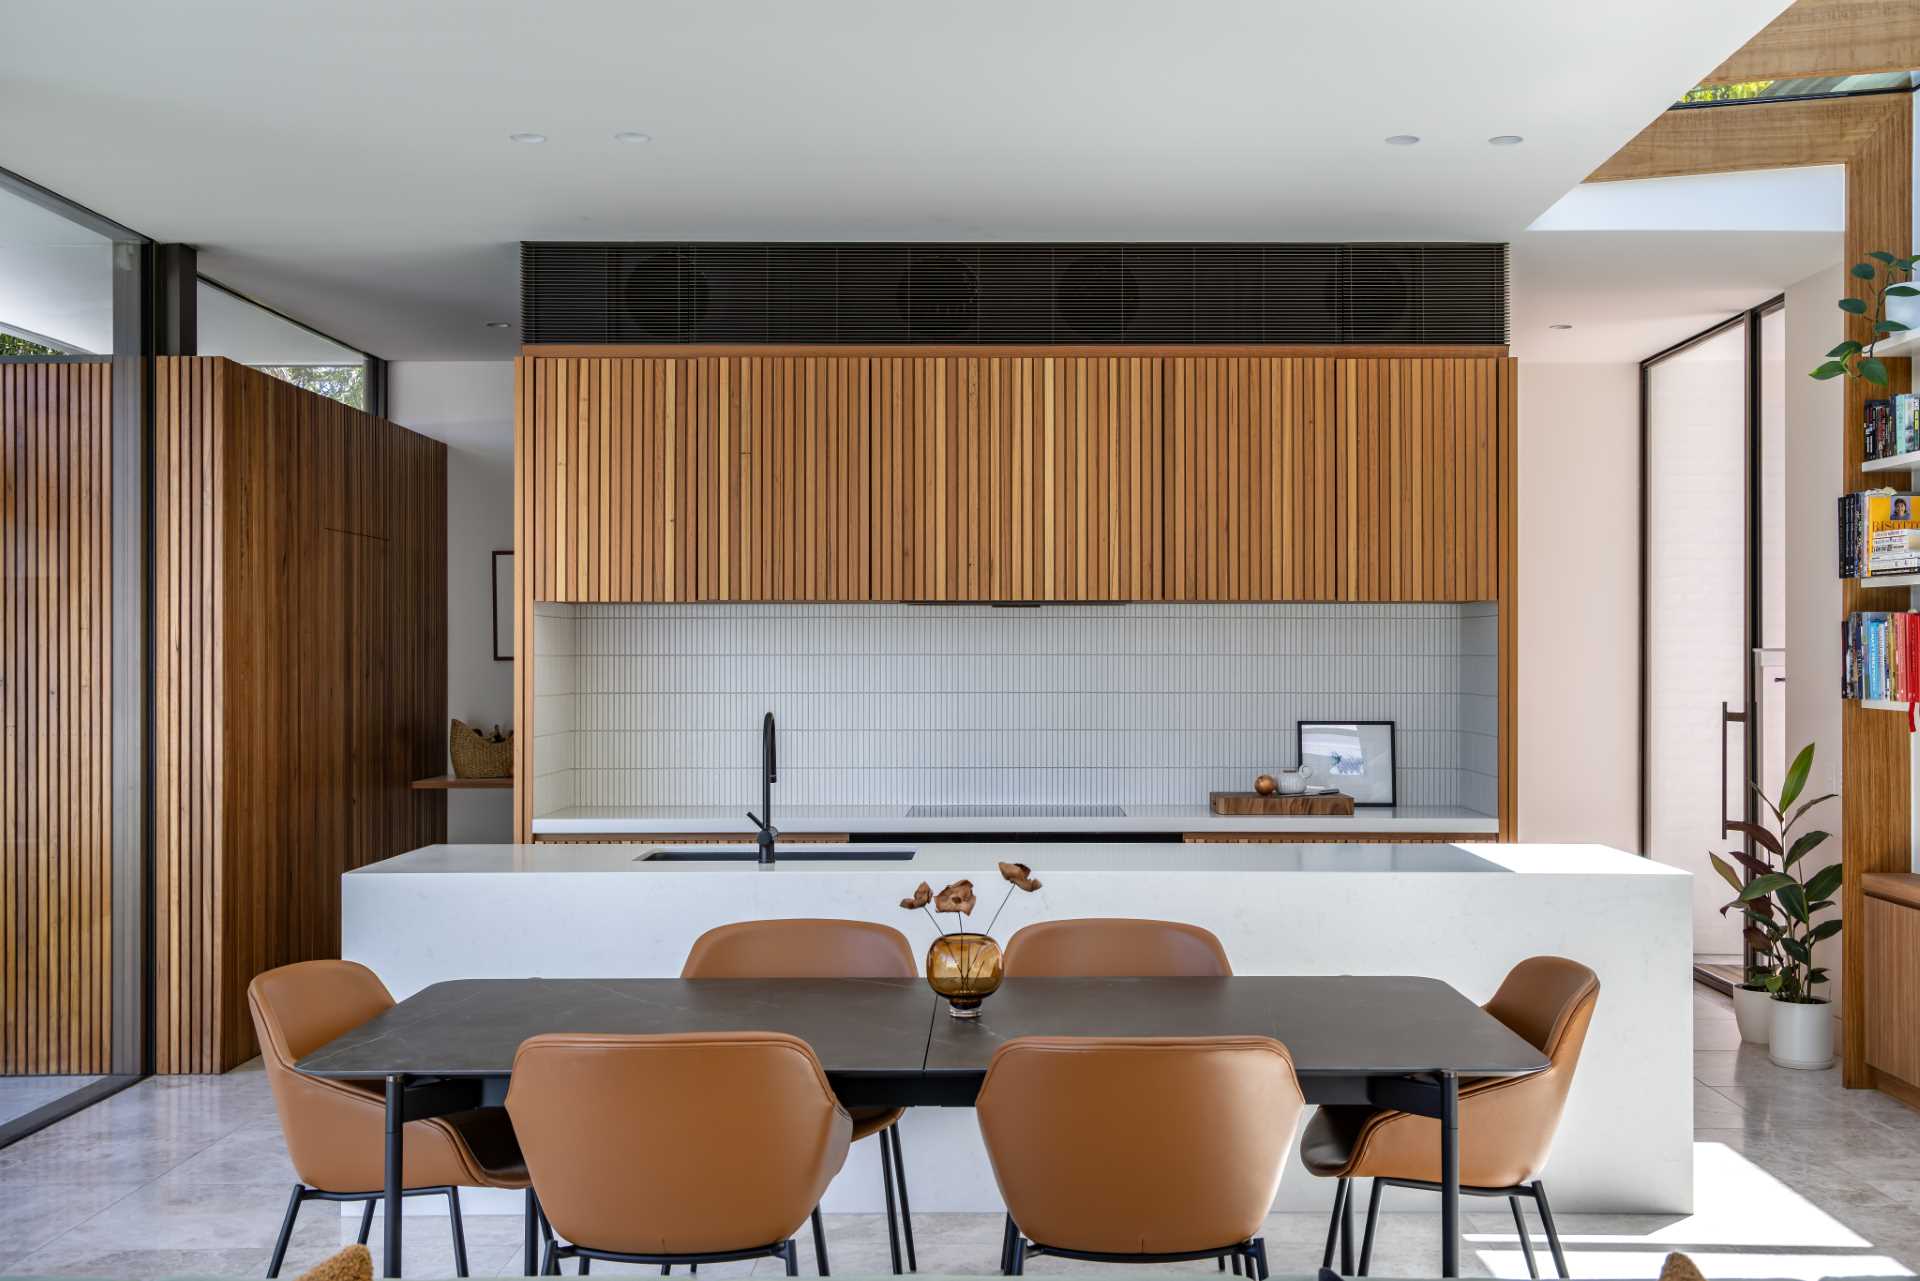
[(1418, 467), (708, 478), (1016, 478), (1249, 474)]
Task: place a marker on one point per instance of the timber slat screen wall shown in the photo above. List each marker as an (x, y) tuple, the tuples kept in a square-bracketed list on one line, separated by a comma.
[(299, 681), (56, 884), (656, 474)]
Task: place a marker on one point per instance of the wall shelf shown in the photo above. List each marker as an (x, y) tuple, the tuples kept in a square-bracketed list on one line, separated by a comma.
[(1909, 461), (1889, 580), (447, 783), (1882, 704), (1903, 344)]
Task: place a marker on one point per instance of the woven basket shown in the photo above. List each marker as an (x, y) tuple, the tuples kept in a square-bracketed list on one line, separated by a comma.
[(477, 755)]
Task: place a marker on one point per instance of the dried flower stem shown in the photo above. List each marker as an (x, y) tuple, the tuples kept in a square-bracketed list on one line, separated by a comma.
[(996, 911)]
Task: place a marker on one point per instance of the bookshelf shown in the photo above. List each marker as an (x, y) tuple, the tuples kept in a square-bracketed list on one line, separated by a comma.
[(1909, 461), (1890, 580), (1882, 704)]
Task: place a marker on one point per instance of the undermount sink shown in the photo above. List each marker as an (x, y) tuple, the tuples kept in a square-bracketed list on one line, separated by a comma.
[(850, 854)]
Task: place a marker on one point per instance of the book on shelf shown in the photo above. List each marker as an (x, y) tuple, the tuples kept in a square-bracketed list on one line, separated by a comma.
[(1879, 533), (1880, 656), (1892, 426)]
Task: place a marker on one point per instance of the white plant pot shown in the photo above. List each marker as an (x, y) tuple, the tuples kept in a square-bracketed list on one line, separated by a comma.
[(1802, 1035), (1753, 1012)]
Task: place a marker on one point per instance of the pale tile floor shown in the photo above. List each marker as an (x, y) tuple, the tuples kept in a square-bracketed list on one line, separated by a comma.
[(1795, 1178)]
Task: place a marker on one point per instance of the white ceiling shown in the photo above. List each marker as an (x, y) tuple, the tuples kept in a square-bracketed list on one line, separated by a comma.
[(346, 161), (1635, 267)]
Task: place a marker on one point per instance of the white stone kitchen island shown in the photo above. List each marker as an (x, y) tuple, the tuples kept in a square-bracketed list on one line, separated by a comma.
[(1464, 914)]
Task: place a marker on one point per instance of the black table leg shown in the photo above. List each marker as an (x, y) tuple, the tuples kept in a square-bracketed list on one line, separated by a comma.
[(1449, 1174), (396, 1169)]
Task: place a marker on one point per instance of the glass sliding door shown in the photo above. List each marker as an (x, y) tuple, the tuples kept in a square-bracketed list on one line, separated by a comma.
[(1696, 405), (72, 896)]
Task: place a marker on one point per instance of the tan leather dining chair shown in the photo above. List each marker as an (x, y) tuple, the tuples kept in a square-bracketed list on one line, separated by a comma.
[(1115, 947), (1507, 1124), (686, 1148), (336, 1130), (824, 949), (1139, 1149)]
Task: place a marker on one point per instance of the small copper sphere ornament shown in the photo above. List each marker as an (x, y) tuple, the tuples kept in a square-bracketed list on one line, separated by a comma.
[(1265, 785)]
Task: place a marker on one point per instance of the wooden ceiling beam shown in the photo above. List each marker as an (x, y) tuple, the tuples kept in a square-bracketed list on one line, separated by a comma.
[(1828, 38), (1759, 135)]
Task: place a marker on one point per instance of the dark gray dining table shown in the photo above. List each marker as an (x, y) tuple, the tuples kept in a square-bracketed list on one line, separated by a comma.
[(1387, 1041)]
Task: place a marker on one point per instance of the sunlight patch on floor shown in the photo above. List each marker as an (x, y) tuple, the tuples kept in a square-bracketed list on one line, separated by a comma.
[(1746, 1223)]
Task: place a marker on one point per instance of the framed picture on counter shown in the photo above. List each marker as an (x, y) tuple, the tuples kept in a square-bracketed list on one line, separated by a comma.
[(1354, 756)]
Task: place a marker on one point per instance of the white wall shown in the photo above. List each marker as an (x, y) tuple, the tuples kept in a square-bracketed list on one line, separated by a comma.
[(469, 405), (1815, 478), (1578, 720)]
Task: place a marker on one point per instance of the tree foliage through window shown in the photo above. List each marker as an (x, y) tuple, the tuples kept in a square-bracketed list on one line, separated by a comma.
[(344, 383)]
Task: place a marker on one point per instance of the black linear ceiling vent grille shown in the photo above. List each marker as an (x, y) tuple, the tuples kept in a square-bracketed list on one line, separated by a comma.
[(1029, 294)]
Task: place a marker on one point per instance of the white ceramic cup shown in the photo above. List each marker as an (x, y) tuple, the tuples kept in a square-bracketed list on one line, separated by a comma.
[(1294, 781)]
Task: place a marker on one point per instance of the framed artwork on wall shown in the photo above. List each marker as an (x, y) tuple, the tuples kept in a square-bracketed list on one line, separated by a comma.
[(503, 607), (1354, 756)]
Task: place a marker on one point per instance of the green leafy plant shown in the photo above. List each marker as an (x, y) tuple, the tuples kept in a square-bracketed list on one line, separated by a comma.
[(1891, 278), (1778, 898)]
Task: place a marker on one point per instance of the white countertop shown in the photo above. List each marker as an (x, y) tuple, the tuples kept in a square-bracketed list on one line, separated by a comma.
[(703, 819), (942, 860)]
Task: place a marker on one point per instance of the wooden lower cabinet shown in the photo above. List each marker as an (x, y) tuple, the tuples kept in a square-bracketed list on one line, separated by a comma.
[(1891, 932)]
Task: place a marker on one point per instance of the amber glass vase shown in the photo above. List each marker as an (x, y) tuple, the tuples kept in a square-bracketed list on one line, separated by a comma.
[(964, 968)]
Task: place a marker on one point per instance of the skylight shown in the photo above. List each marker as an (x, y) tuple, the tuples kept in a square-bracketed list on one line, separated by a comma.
[(1720, 95)]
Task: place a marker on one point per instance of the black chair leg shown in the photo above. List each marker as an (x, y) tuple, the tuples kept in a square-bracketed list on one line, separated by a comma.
[(819, 1244), (1006, 1249), (1526, 1237), (1019, 1267), (793, 1258), (286, 1230), (1221, 1261), (366, 1222), (550, 1261), (1373, 1217), (1260, 1257), (1333, 1225), (530, 1235), (1235, 1261), (886, 1183), (906, 1206), (459, 1233), (1346, 1233), (586, 1265), (1553, 1233)]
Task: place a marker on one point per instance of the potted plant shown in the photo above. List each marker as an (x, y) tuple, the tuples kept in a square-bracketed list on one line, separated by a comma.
[(1895, 280), (1800, 901), (1753, 995)]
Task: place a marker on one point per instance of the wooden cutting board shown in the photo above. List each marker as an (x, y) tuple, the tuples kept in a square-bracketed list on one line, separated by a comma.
[(1243, 803)]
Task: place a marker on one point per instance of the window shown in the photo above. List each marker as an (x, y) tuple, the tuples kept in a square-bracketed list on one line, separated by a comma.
[(1719, 95), (56, 284), (244, 331)]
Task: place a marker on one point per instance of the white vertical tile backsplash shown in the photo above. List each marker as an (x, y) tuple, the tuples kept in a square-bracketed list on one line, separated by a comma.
[(896, 704)]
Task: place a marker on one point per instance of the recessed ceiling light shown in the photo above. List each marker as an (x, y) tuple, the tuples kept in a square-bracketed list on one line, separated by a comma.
[(1403, 140), (526, 137), (498, 324), (631, 135), (1559, 326), (1506, 140)]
